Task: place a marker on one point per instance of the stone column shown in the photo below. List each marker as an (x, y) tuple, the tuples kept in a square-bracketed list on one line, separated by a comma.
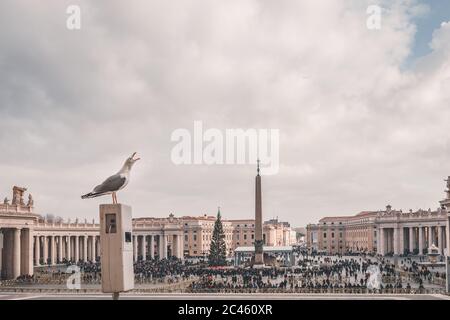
[(37, 251), (16, 253), (69, 248), (174, 244), (165, 246), (382, 245), (60, 249), (160, 246), (77, 249), (144, 247), (446, 239), (97, 247), (7, 261), (26, 259), (440, 245), (152, 246), (401, 240), (396, 241), (430, 236), (45, 250), (2, 247), (135, 248), (92, 248), (421, 240), (52, 250), (387, 235), (88, 248), (447, 232), (411, 239), (378, 241), (180, 246), (64, 248), (85, 248)]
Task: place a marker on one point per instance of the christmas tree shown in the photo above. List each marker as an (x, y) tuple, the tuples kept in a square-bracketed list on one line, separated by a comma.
[(218, 248)]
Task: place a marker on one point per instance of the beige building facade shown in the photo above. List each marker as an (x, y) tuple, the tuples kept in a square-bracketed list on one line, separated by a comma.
[(27, 240), (238, 233), (384, 232)]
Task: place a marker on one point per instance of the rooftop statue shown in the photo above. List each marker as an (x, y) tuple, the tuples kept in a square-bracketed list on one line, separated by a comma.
[(18, 195), (30, 201), (448, 188)]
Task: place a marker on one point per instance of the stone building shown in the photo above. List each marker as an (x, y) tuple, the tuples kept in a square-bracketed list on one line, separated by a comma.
[(386, 232), (198, 232), (28, 240)]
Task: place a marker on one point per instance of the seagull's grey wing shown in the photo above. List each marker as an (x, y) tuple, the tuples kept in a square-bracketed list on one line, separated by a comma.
[(111, 184)]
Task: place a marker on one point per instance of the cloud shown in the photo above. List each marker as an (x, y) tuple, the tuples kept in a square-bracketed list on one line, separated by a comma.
[(357, 129)]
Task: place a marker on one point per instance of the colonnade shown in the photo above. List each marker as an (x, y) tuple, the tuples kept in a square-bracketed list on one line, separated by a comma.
[(157, 246), (21, 249), (54, 249), (15, 252), (412, 239)]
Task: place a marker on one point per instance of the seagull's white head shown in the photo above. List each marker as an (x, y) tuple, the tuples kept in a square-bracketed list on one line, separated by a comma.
[(131, 161)]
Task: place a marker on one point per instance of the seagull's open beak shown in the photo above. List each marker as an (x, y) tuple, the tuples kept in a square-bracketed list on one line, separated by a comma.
[(132, 157)]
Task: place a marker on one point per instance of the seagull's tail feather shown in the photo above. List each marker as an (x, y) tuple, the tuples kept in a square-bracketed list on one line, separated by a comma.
[(92, 195)]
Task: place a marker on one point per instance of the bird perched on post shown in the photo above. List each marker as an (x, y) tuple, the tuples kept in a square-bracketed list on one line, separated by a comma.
[(114, 183)]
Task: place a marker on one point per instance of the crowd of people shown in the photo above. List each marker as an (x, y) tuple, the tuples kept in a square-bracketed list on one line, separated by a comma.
[(311, 273), (321, 273)]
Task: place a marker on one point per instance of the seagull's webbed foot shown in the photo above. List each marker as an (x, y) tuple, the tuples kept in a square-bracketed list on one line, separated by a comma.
[(114, 198)]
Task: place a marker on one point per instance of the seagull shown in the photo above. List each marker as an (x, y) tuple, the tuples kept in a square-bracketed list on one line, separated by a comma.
[(114, 183)]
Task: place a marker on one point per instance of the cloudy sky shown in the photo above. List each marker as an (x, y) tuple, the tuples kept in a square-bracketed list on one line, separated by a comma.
[(363, 114)]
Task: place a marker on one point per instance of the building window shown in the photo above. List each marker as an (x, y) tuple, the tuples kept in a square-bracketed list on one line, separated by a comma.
[(324, 234), (195, 237), (186, 238), (253, 236), (245, 237), (332, 234)]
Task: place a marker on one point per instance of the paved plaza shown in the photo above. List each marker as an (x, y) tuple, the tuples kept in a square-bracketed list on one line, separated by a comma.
[(231, 297)]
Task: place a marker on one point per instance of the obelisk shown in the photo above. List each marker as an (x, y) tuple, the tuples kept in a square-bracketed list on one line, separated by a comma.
[(259, 254)]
